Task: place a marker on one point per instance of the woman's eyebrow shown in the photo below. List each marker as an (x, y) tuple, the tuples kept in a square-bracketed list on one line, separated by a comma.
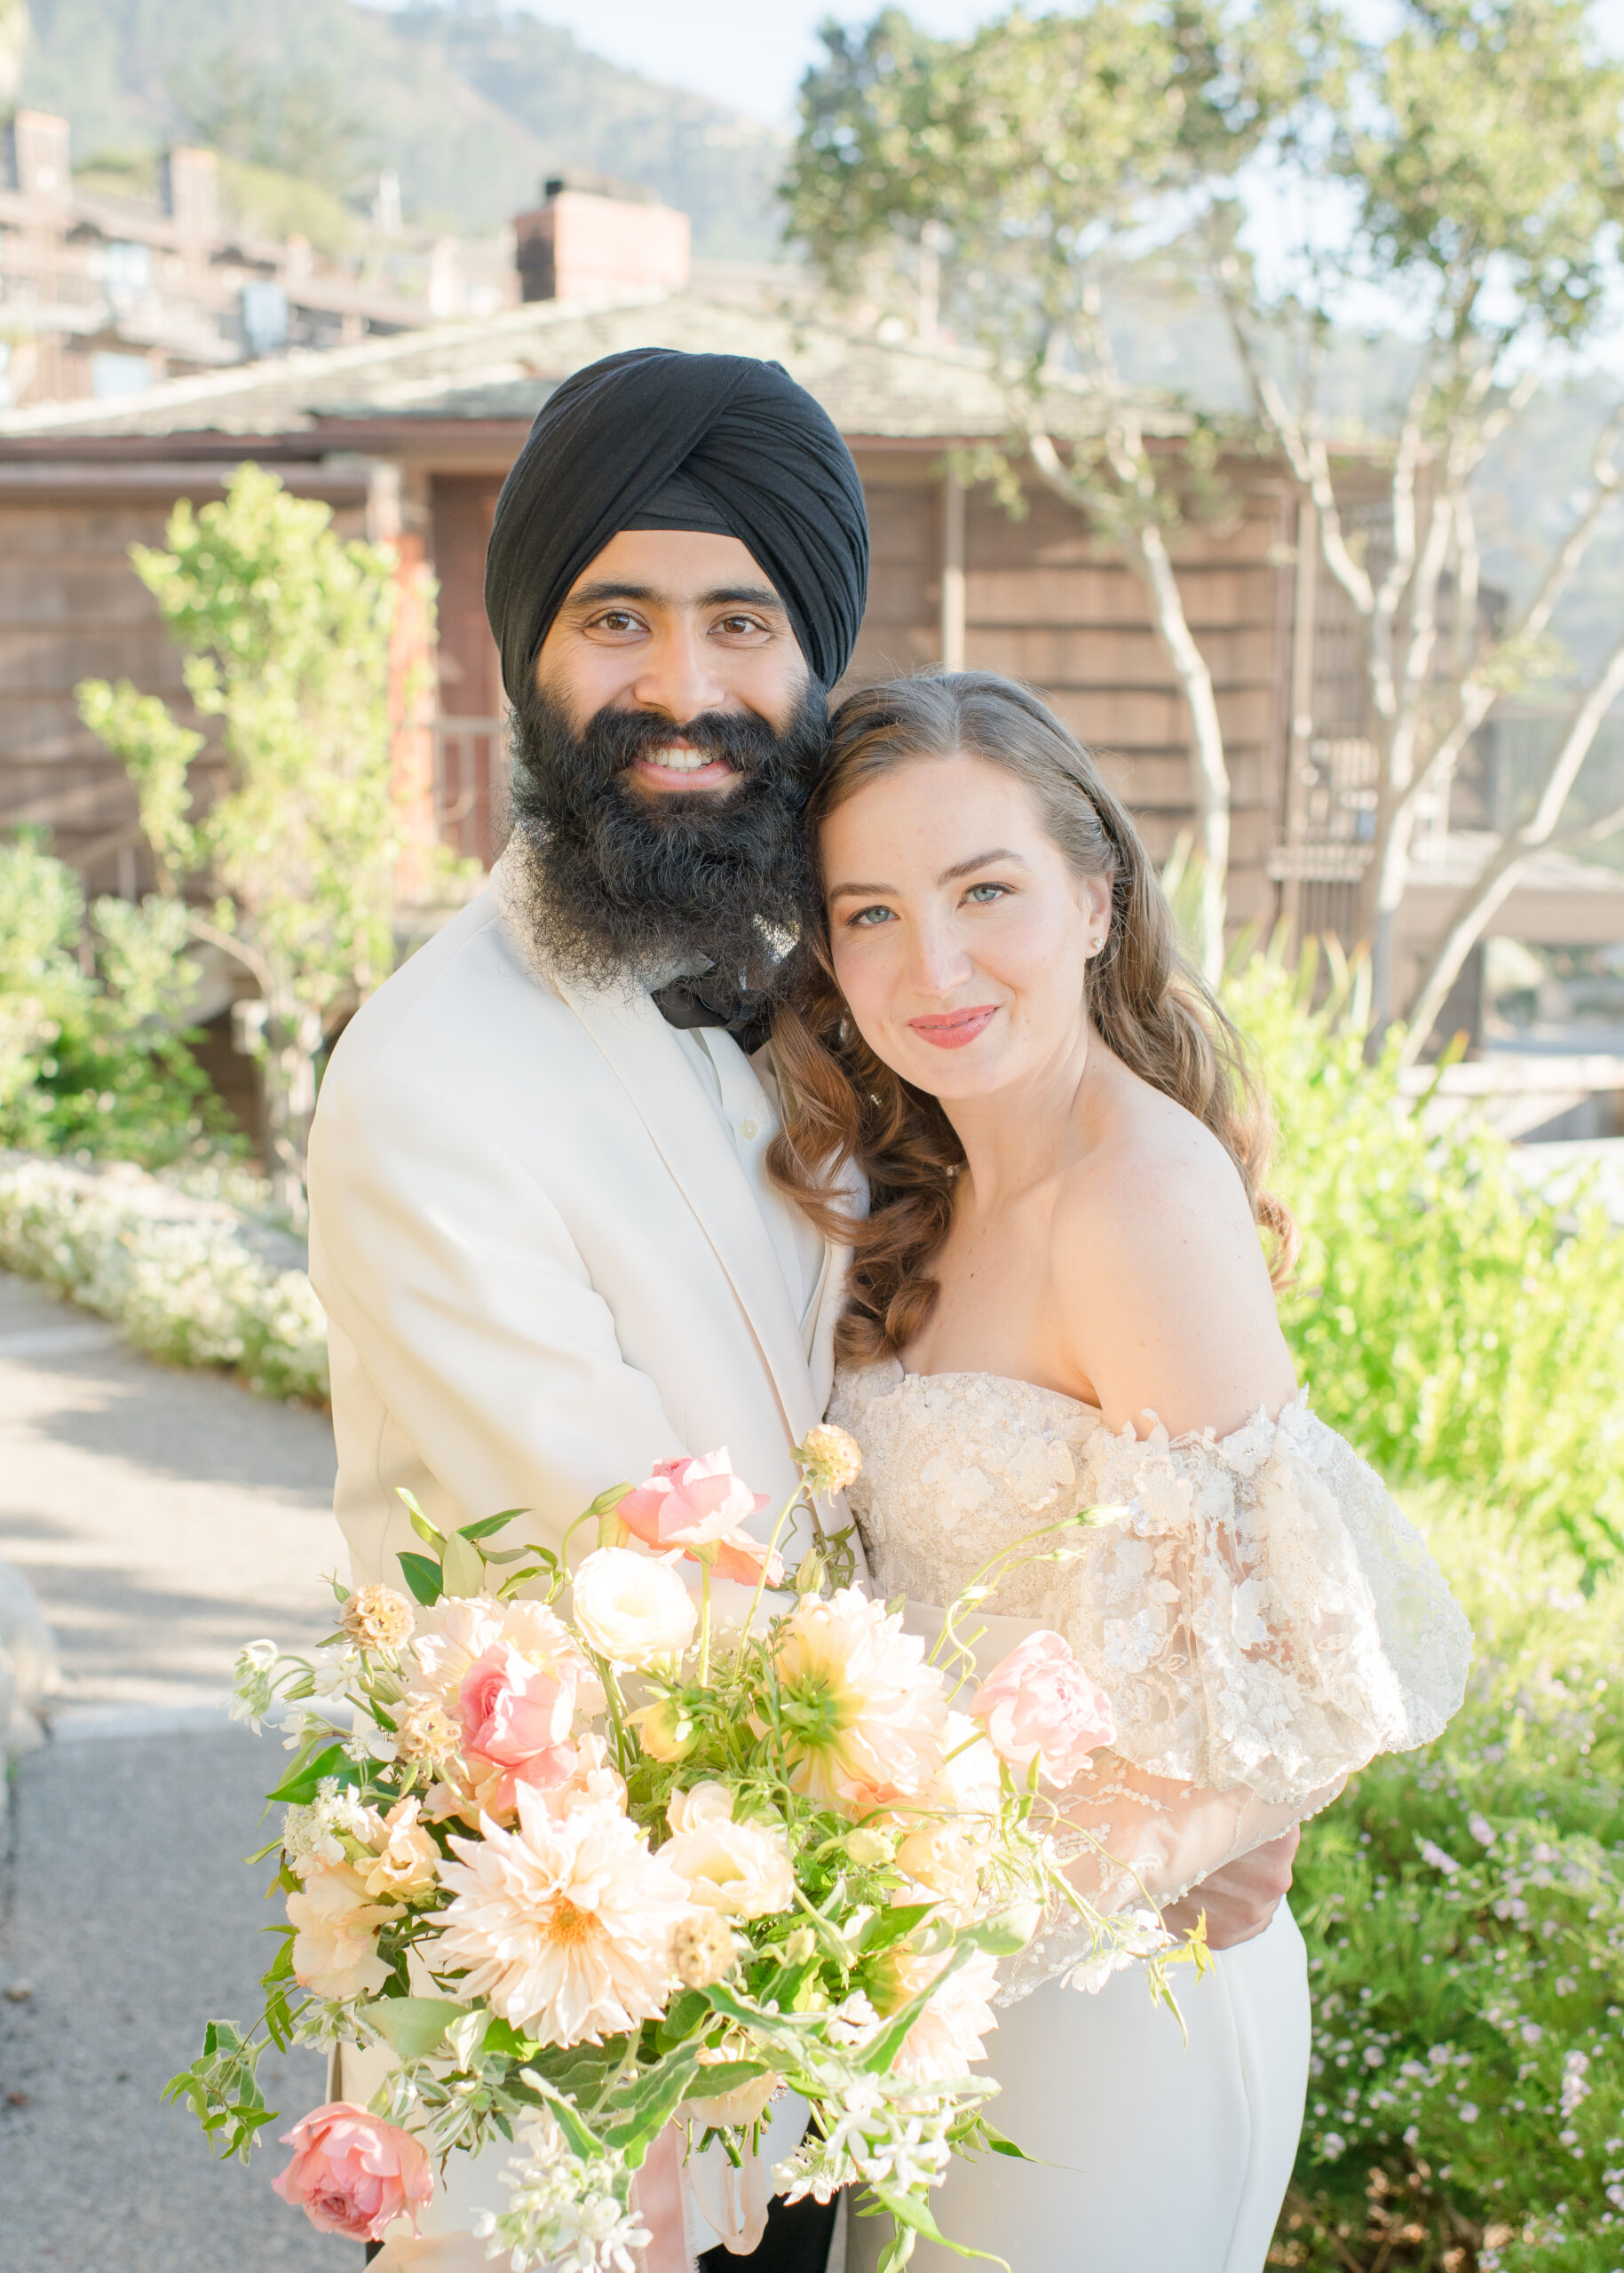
[(947, 876), (981, 860)]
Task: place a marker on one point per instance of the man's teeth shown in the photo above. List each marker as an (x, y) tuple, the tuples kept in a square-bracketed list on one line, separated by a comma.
[(680, 761)]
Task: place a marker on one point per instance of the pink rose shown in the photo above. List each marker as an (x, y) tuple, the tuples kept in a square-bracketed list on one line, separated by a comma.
[(1038, 1704), (695, 1504), (516, 1720), (353, 2173), (689, 1502)]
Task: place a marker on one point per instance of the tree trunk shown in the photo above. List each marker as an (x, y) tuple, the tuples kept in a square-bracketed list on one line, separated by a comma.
[(292, 1039), (1209, 771), (1489, 891)]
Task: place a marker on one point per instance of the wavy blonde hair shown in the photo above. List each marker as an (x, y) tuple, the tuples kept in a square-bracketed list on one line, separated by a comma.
[(843, 1107)]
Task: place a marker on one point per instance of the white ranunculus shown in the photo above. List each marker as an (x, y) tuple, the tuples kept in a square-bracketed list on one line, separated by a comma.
[(631, 1608), (741, 1869)]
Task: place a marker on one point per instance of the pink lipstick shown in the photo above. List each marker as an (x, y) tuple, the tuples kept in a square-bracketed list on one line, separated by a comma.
[(952, 1029)]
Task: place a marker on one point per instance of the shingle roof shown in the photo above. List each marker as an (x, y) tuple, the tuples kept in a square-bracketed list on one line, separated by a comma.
[(505, 365)]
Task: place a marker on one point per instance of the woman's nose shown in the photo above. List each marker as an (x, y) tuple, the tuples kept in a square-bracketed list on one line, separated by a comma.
[(940, 964)]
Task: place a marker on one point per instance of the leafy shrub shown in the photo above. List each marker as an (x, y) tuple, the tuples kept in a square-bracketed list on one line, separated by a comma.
[(185, 1279), (96, 1061), (1464, 1912), (1452, 1325)]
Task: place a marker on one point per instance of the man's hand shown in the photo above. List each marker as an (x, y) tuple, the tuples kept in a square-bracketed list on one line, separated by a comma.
[(1241, 1898)]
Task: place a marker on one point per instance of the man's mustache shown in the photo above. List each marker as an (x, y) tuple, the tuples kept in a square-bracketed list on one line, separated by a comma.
[(619, 738)]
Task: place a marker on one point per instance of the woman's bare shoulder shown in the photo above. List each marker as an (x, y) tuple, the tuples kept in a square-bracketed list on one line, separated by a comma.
[(1161, 1286)]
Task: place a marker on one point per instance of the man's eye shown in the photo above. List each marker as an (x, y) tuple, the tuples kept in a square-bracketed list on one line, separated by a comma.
[(983, 893), (617, 619), (736, 626), (866, 918)]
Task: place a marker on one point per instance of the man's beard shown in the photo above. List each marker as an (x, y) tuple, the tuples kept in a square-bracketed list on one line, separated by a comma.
[(629, 884)]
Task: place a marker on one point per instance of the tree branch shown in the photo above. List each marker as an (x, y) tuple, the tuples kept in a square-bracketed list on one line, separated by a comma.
[(1491, 888)]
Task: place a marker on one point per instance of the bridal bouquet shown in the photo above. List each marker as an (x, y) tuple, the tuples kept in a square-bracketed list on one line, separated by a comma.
[(605, 1869)]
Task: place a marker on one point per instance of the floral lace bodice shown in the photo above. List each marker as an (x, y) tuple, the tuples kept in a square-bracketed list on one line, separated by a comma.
[(1261, 1616)]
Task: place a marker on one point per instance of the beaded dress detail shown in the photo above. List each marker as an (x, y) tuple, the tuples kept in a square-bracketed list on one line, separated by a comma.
[(1261, 1616)]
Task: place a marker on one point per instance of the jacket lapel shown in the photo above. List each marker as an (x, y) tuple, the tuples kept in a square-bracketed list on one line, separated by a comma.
[(649, 1063)]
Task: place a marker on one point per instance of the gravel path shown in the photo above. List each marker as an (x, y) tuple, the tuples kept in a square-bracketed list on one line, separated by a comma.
[(164, 1519)]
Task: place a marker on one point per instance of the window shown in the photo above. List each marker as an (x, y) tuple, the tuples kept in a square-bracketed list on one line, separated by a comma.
[(115, 375)]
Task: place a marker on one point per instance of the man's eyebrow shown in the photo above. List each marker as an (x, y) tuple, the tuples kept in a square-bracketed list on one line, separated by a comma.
[(587, 596), (947, 876)]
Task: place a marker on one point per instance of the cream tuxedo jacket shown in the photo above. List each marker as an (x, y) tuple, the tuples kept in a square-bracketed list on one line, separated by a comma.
[(543, 1264)]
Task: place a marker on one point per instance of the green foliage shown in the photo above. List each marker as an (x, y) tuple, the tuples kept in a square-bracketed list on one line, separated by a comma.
[(290, 121), (1485, 140), (1464, 1910), (1021, 153), (285, 628), (1454, 1324), (469, 105), (96, 1060)]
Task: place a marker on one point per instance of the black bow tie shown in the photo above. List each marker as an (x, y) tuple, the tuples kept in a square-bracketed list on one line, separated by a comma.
[(709, 1000)]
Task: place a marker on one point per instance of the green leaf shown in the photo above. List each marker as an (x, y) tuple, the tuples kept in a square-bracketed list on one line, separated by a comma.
[(683, 2014), (301, 1786), (645, 2108), (464, 1567), (422, 1575), (889, 1926), (420, 1522), (413, 2026), (725, 2076), (486, 1525), (502, 2036)]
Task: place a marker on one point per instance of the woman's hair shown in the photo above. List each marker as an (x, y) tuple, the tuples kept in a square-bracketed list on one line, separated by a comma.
[(843, 1105)]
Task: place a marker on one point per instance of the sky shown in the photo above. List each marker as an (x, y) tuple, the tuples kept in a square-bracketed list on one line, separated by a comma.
[(749, 54)]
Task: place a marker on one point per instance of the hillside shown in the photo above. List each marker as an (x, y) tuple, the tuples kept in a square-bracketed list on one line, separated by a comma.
[(470, 105)]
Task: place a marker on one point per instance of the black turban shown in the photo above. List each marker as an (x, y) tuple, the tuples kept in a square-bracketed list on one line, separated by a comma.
[(655, 438)]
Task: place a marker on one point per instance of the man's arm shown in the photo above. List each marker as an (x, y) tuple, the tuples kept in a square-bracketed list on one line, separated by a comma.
[(446, 1267)]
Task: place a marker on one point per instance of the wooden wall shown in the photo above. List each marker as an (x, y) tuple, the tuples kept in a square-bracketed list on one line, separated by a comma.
[(1044, 603), (72, 607)]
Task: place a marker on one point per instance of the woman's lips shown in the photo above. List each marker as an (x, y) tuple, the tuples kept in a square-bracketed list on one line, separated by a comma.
[(952, 1029)]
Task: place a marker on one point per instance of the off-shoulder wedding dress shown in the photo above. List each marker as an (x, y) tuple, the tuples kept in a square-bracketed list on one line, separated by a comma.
[(1265, 1622)]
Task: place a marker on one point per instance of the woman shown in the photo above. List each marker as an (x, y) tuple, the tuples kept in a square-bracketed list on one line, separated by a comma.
[(1059, 1297)]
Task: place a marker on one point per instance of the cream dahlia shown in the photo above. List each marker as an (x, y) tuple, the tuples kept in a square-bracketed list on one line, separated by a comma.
[(863, 1713), (565, 1924), (946, 2038)]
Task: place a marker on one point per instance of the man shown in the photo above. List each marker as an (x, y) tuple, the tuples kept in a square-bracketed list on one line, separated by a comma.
[(541, 1221)]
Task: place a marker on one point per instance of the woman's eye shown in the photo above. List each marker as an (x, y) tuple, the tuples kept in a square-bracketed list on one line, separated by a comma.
[(866, 918), (983, 893)]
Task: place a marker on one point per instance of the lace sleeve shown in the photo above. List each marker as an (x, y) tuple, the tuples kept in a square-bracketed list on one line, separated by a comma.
[(1260, 1612), (1130, 1839)]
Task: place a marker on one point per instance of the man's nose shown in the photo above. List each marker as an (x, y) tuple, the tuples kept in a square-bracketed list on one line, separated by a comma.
[(678, 676)]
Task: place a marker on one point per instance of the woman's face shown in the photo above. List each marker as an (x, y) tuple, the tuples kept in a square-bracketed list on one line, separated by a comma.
[(960, 934)]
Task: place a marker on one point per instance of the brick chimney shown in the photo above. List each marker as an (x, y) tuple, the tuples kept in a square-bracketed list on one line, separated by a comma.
[(189, 183), (598, 239), (36, 156)]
